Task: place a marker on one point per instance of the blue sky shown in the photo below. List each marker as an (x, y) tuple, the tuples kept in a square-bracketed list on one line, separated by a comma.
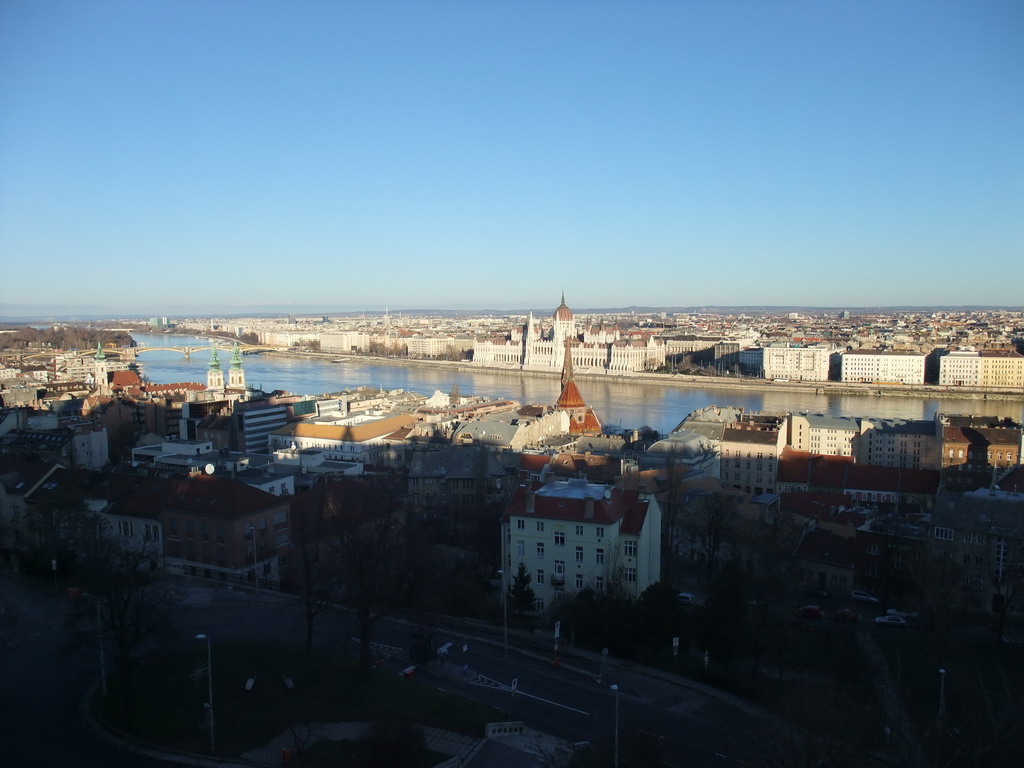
[(164, 157)]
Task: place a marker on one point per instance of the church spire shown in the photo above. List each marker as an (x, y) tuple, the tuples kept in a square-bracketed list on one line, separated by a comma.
[(100, 354), (567, 364), (214, 360)]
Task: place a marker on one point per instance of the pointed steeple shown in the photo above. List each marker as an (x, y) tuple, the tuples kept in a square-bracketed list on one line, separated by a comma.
[(214, 360), (236, 356), (100, 354), (567, 363)]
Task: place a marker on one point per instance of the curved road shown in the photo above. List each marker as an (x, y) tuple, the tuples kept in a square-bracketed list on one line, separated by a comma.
[(43, 681)]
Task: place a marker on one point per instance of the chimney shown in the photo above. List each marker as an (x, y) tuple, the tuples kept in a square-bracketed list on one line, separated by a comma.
[(588, 508)]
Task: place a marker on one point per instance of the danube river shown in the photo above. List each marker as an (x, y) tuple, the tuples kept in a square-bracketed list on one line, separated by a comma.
[(617, 402)]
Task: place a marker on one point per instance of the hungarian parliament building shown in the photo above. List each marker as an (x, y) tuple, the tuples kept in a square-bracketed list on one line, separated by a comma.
[(540, 346)]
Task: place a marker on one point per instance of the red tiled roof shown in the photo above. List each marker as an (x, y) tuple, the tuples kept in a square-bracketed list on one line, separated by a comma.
[(623, 505), (122, 379), (570, 397)]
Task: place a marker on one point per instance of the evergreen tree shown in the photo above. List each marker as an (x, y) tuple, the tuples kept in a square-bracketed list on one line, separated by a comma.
[(521, 595)]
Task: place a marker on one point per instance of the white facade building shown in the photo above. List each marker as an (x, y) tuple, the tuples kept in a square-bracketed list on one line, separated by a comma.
[(572, 535), (874, 366)]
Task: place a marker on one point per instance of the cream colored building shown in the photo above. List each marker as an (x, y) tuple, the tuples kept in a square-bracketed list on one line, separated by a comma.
[(874, 366), (821, 434), (572, 535), (985, 368)]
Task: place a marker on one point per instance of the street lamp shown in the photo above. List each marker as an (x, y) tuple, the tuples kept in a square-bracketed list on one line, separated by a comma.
[(209, 681), (616, 762), (504, 608), (942, 694)]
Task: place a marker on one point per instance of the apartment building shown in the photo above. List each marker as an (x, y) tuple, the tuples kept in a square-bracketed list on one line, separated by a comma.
[(573, 535), (873, 366), (821, 434), (751, 447), (985, 368), (897, 443), (788, 362)]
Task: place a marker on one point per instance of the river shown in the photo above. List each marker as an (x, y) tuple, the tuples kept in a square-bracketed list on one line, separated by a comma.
[(617, 402)]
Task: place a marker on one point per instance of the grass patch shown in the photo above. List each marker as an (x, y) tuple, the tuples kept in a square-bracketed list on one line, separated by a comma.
[(170, 692)]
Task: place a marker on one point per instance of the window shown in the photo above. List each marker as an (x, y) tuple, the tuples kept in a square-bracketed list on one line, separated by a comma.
[(579, 581), (631, 575), (560, 568), (540, 525), (945, 534), (520, 548), (540, 604), (599, 556), (540, 550), (599, 583), (521, 524), (540, 576), (600, 533), (559, 593), (629, 548), (125, 528), (872, 549), (153, 532), (559, 538), (579, 530), (579, 554)]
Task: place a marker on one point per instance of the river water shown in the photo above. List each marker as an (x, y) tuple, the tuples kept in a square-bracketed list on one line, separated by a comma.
[(617, 402)]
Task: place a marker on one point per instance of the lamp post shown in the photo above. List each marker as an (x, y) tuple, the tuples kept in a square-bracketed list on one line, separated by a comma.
[(504, 609), (209, 681), (615, 688), (942, 695)]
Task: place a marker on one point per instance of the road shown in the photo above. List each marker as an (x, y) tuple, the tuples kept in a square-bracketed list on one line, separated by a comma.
[(43, 681)]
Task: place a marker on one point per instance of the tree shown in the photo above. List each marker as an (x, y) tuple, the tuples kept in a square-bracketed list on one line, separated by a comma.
[(521, 596), (711, 519), (366, 536), (130, 603), (318, 579)]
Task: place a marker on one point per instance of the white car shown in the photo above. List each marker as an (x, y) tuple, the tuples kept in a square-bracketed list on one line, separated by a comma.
[(686, 598), (891, 620), (863, 597)]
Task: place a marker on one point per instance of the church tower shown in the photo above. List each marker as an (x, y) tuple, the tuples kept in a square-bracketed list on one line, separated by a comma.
[(214, 374), (100, 377), (582, 419), (236, 376)]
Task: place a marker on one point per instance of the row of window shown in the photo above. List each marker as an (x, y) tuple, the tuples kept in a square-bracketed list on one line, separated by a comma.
[(559, 534)]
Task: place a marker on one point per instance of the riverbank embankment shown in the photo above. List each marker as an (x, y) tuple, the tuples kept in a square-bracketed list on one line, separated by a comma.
[(686, 381)]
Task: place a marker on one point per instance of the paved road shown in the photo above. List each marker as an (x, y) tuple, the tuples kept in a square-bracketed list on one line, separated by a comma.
[(43, 680)]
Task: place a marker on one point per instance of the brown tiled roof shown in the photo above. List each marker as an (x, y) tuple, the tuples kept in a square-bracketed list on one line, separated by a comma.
[(219, 497), (122, 379), (349, 433)]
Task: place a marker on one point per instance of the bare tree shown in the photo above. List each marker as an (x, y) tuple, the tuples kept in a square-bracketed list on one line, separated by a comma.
[(366, 535), (317, 572), (711, 520), (130, 603)]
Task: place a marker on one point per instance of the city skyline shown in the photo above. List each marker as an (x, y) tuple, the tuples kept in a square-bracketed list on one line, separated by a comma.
[(189, 158)]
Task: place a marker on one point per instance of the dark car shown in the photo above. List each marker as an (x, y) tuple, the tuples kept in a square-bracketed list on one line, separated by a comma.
[(809, 612)]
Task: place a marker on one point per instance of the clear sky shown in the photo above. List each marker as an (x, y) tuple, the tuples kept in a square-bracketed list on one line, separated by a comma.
[(164, 157)]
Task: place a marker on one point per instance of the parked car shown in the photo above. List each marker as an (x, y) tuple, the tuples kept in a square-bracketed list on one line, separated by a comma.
[(809, 612), (891, 620), (863, 597), (686, 598)]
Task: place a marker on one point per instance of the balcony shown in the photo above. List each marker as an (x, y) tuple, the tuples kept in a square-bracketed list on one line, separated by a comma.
[(558, 579)]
